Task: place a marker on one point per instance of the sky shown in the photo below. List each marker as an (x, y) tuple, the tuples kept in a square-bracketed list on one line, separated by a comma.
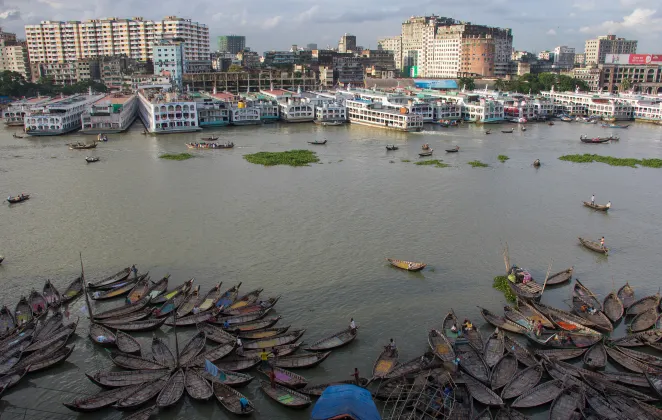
[(276, 25)]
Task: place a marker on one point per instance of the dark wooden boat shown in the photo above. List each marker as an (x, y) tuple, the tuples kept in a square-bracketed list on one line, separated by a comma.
[(629, 407), (571, 326), (417, 364), (232, 321), (37, 303), (601, 404), (528, 290), (548, 310), (18, 199), (560, 277), (510, 414), (117, 379), (385, 363), (123, 310), (45, 327), (285, 396), (199, 318), (503, 371), (211, 138), (214, 354), (599, 382), (333, 341), (23, 312), (101, 335), (389, 147), (17, 339), (102, 399), (276, 341), (521, 353), (82, 146), (581, 308), (145, 392), (281, 350), (564, 340), (560, 354), (229, 399), (144, 414), (501, 322), (91, 159), (644, 320), (540, 395), (214, 333), (128, 361), (508, 131), (427, 153), (126, 343), (196, 386), (317, 142), (140, 290), (170, 306), (530, 312), (51, 295), (569, 377), (252, 308), (481, 393), (627, 378), (233, 379), (586, 295), (238, 364), (59, 337), (626, 295), (190, 301), (301, 361), (286, 378), (522, 381), (471, 361), (142, 325), (317, 390), (494, 348), (209, 300), (626, 361), (568, 405), (474, 337), (517, 317), (118, 277), (407, 265), (639, 339), (644, 304), (454, 150), (135, 316), (654, 378), (449, 321), (598, 207), (193, 348), (228, 297), (263, 334), (11, 378), (441, 346), (595, 140), (120, 289), (72, 291), (246, 300), (613, 307), (158, 288), (181, 289), (254, 325), (46, 358), (161, 353), (649, 359), (173, 390), (593, 246), (650, 410), (596, 356), (7, 322)]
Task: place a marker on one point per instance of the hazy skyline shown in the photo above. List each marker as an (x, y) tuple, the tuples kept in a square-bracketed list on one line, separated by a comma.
[(277, 25)]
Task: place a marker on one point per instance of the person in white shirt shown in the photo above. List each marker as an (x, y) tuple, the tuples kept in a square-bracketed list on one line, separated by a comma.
[(240, 346), (593, 199), (608, 204), (352, 326)]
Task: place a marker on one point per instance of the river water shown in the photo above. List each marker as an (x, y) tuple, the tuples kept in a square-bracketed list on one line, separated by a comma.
[(319, 235)]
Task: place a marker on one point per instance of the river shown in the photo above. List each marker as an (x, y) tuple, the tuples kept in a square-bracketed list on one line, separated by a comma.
[(319, 235)]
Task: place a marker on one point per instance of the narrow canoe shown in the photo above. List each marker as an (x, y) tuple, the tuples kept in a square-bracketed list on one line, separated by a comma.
[(285, 396), (214, 333), (190, 302), (655, 381), (252, 308), (208, 301), (262, 334), (51, 295), (449, 321), (37, 303), (195, 319), (627, 378), (139, 290), (626, 295), (158, 288), (517, 317), (426, 361), (228, 297), (254, 325), (121, 289), (126, 343), (593, 246), (63, 334), (333, 341), (639, 339), (101, 335), (581, 308), (565, 340), (629, 407), (123, 310), (406, 265), (181, 289), (286, 378), (626, 361), (560, 354), (494, 348), (571, 326), (128, 361), (134, 316), (47, 359), (142, 325), (644, 304), (560, 277), (11, 378), (285, 350), (113, 278), (173, 390), (101, 399), (596, 356), (587, 296), (568, 405), (317, 390), (472, 362), (196, 386), (385, 363), (238, 364), (246, 300), (144, 393), (533, 314), (214, 354), (547, 310), (503, 371), (540, 395), (276, 341), (232, 321), (611, 387), (72, 291), (192, 348), (475, 338), (46, 327), (521, 353), (226, 377), (651, 359), (644, 320), (161, 353), (481, 393), (116, 379), (23, 312), (522, 381), (601, 405), (169, 306), (440, 346), (501, 323), (229, 399), (301, 361), (598, 207), (613, 307)]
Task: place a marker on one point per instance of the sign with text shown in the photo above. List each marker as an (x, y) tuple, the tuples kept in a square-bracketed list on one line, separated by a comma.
[(633, 59)]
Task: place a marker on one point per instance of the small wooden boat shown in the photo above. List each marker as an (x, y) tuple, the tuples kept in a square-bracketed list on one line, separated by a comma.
[(598, 207), (196, 386), (209, 300), (72, 291), (58, 339), (331, 123), (560, 354), (101, 335), (228, 297), (276, 341), (285, 396), (650, 410), (119, 379), (568, 404), (229, 399), (508, 131), (613, 307), (655, 380), (564, 340), (526, 290), (286, 378), (317, 142), (254, 325), (91, 159), (161, 353), (233, 321), (144, 414), (215, 333), (170, 305), (317, 390), (639, 339), (417, 364), (481, 393), (627, 378), (7, 322), (441, 346), (488, 132), (594, 246), (246, 300), (494, 348), (644, 320), (644, 304), (23, 312), (503, 371), (126, 319), (192, 319), (123, 310), (612, 388), (18, 198), (192, 348), (333, 341), (301, 361), (101, 399), (158, 288), (428, 153), (12, 378), (51, 295), (118, 277), (16, 136), (263, 334), (626, 295), (37, 303), (540, 395), (233, 379), (596, 356), (391, 147), (214, 354), (650, 359), (285, 350), (211, 138), (548, 310), (533, 314), (190, 301), (524, 380), (626, 361), (120, 290), (614, 126), (517, 317), (140, 289), (501, 322), (173, 390), (406, 265), (141, 325), (471, 361), (47, 326), (238, 364), (181, 289), (453, 150), (595, 140), (82, 146), (250, 308), (385, 363), (144, 393), (571, 325), (126, 343), (46, 358)]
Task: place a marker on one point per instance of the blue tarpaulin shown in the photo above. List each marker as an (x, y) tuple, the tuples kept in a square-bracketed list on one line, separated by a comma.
[(349, 400), (435, 84)]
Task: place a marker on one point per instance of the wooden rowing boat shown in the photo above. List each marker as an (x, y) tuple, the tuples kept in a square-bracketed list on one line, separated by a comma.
[(286, 378), (101, 399), (560, 277), (481, 393), (285, 396), (241, 319), (598, 382), (37, 303), (72, 291), (192, 348), (494, 348), (333, 341), (524, 380), (654, 378), (238, 364), (195, 319), (644, 320), (246, 300), (586, 295), (417, 364), (571, 326), (170, 305), (472, 362), (117, 379), (126, 343), (597, 317), (385, 363), (51, 295), (252, 308), (214, 354), (118, 277), (533, 314), (229, 399), (62, 335), (547, 310), (128, 361), (626, 295), (540, 395), (121, 289), (45, 327), (474, 337), (141, 325), (196, 386), (143, 414), (560, 354), (503, 371), (123, 310), (23, 312), (260, 324), (214, 333), (528, 290), (627, 378), (501, 322), (233, 379), (190, 301), (568, 405), (209, 300), (285, 350), (276, 341), (181, 289), (300, 361), (613, 307), (134, 316), (523, 355), (594, 246), (639, 339), (144, 393), (101, 335), (517, 317), (317, 390), (440, 346), (564, 340), (139, 290), (406, 265), (644, 304), (228, 297), (626, 361), (161, 353), (650, 359), (173, 390), (263, 334), (598, 207), (596, 356)]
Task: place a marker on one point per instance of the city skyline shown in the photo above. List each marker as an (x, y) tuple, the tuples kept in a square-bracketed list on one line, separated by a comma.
[(277, 26)]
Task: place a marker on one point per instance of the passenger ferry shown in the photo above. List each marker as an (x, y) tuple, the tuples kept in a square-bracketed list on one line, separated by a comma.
[(333, 112), (243, 115), (212, 112), (14, 114), (165, 112), (373, 113), (111, 114), (59, 116), (295, 110)]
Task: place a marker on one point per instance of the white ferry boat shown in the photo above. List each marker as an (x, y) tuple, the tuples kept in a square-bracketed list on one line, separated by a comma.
[(244, 115), (330, 112), (111, 114), (166, 112), (268, 109), (212, 112), (16, 111), (59, 116), (372, 113)]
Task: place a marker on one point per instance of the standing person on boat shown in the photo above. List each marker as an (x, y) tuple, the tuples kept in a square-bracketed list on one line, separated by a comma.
[(264, 359), (602, 242), (352, 326), (135, 271), (272, 378), (240, 347), (243, 402), (593, 199), (608, 204), (539, 328), (356, 375), (391, 346)]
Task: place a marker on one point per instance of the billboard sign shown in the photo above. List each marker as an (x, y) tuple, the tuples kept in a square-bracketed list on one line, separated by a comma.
[(641, 59)]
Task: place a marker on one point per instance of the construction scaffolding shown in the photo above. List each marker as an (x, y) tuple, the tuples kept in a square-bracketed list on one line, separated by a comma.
[(246, 82)]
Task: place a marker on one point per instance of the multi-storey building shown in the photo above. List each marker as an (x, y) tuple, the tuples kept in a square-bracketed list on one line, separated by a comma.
[(580, 59), (597, 49), (231, 43), (347, 43), (564, 57), (8, 38), (14, 57), (168, 57), (643, 73), (57, 42), (545, 55), (348, 70)]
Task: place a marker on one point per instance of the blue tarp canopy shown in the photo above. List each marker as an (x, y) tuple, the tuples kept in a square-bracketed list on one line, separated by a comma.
[(435, 84), (350, 400)]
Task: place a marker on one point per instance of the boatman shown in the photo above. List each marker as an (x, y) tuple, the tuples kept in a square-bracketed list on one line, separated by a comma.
[(602, 242), (391, 346), (264, 358), (135, 271), (243, 402), (240, 347), (356, 375), (593, 199), (608, 204), (352, 326)]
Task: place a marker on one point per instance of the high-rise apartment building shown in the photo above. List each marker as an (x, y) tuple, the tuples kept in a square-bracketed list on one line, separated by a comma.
[(59, 42), (597, 49), (231, 43), (7, 37), (14, 58), (564, 57), (169, 60), (347, 43), (438, 47)]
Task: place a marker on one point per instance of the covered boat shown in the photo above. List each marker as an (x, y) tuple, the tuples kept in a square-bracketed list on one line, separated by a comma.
[(345, 401)]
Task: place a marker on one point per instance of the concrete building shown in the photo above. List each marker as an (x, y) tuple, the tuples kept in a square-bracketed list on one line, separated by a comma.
[(608, 78), (597, 49), (7, 37), (348, 70), (59, 42), (347, 43), (580, 59), (14, 57), (326, 76), (242, 82), (311, 46), (564, 57), (249, 59), (168, 58), (545, 55), (231, 43), (590, 75)]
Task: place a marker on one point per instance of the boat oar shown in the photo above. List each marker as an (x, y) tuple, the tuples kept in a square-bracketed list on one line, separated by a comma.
[(549, 269)]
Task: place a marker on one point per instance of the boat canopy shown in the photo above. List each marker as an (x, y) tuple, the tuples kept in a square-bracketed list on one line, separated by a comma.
[(341, 401)]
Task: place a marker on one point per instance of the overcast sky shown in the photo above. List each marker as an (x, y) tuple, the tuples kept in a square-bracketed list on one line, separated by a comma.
[(267, 24)]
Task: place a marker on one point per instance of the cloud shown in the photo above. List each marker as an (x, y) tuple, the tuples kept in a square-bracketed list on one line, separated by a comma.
[(361, 16), (52, 4), (307, 15), (551, 32), (11, 14), (271, 22), (640, 20), (584, 5), (572, 14)]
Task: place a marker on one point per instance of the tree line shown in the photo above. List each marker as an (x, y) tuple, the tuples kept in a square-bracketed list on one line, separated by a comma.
[(534, 83), (14, 85)]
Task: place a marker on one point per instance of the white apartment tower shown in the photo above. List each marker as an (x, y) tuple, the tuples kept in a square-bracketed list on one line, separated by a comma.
[(596, 50), (57, 42)]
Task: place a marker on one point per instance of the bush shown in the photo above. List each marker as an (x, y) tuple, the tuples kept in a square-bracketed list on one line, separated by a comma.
[(435, 162), (477, 164), (290, 158), (179, 156), (503, 158)]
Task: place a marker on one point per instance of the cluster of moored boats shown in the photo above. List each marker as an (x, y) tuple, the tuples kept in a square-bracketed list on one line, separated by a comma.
[(242, 333)]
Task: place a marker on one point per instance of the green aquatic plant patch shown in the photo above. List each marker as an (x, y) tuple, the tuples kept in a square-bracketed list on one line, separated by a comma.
[(437, 163), (290, 158), (501, 283), (178, 156), (503, 158), (612, 161), (477, 164)]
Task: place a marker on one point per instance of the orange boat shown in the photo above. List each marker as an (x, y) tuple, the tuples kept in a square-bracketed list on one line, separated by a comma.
[(407, 265)]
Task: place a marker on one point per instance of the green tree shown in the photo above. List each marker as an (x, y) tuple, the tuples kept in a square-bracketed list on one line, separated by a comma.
[(466, 82), (625, 85), (235, 68), (499, 84)]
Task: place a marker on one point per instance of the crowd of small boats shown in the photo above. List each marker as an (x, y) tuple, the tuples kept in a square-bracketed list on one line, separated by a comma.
[(210, 145)]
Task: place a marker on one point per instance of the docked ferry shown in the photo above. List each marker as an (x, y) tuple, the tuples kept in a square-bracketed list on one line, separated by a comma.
[(212, 112), (373, 113), (111, 114), (295, 110), (166, 112), (59, 116), (16, 111)]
